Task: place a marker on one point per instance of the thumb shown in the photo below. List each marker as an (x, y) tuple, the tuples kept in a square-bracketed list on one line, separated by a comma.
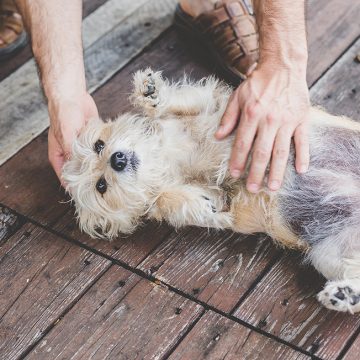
[(230, 117)]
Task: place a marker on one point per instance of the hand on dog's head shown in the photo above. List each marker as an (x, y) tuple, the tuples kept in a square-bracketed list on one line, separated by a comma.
[(106, 177)]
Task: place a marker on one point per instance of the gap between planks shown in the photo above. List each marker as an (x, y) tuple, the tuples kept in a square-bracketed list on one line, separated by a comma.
[(153, 279), (113, 35)]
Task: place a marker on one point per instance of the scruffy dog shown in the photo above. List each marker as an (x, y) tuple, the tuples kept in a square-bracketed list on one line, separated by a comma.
[(165, 164)]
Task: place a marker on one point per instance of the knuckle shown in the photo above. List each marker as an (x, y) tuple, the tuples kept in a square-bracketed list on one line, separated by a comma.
[(241, 146), (281, 153), (261, 155), (271, 119), (252, 111)]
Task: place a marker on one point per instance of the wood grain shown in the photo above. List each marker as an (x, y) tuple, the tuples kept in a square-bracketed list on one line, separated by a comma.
[(130, 249), (13, 63), (9, 223), (284, 304), (120, 317), (354, 351), (214, 266), (23, 113), (338, 91), (29, 185), (331, 27), (216, 337), (41, 277)]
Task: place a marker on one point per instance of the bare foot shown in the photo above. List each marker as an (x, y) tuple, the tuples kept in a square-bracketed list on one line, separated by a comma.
[(195, 8)]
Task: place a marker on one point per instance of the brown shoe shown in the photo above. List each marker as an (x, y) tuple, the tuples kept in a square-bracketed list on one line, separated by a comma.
[(12, 34), (229, 32)]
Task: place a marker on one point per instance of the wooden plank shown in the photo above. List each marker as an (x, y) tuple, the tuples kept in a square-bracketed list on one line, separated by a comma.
[(130, 249), (9, 223), (214, 266), (216, 337), (331, 26), (41, 277), (113, 35), (13, 63), (338, 90), (284, 304), (29, 185), (354, 351), (120, 317)]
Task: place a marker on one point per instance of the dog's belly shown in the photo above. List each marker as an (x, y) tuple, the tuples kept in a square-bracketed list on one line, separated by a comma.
[(325, 200)]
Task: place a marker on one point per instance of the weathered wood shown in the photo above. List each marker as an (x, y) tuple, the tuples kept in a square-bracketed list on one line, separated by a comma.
[(354, 351), (284, 304), (23, 113), (331, 26), (120, 317), (9, 223), (216, 337), (14, 62), (29, 185), (214, 266), (338, 91), (130, 249), (41, 277)]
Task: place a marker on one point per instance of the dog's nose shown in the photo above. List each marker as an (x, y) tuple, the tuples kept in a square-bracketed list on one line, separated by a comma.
[(118, 161)]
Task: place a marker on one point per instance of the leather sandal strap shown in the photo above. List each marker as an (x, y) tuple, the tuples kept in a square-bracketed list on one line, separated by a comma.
[(8, 5), (10, 19), (233, 30)]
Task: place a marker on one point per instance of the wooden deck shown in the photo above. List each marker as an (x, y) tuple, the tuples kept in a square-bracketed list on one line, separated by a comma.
[(157, 294)]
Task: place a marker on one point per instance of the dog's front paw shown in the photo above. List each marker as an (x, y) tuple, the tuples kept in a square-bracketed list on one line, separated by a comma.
[(147, 86), (341, 295)]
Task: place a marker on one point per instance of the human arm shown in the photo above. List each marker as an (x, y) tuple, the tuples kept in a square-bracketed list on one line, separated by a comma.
[(272, 105), (55, 28)]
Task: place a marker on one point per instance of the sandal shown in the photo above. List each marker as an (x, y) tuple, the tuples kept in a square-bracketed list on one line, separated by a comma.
[(229, 33), (12, 34)]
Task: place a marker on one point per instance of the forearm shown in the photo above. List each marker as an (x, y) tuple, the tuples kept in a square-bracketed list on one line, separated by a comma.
[(55, 28), (282, 33)]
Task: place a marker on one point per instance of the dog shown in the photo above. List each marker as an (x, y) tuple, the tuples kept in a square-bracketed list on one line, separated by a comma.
[(163, 162)]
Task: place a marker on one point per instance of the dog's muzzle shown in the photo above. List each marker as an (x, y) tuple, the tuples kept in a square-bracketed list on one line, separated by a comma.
[(118, 161)]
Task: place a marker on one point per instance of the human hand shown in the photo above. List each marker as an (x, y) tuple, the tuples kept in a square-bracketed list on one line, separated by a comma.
[(270, 108), (67, 117)]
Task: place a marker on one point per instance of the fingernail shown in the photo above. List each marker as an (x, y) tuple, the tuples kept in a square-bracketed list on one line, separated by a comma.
[(254, 188), (235, 173), (274, 185), (303, 169), (220, 129)]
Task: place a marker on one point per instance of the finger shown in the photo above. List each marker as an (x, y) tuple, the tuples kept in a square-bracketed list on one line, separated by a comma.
[(280, 155), (56, 157), (244, 139), (260, 157), (302, 152), (230, 118)]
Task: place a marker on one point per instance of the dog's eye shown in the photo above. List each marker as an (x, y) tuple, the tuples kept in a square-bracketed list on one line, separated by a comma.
[(99, 145), (101, 186)]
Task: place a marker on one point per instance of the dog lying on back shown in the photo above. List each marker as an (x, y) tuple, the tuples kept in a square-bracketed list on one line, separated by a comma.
[(164, 163)]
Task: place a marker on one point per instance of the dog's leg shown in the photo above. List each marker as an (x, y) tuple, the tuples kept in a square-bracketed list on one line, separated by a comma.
[(338, 259), (192, 205), (157, 97), (341, 295)]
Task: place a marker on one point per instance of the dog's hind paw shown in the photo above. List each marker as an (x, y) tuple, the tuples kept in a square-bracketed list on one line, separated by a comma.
[(341, 295), (147, 86)]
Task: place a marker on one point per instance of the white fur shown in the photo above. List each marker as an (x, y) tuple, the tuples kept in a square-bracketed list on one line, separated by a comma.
[(181, 176)]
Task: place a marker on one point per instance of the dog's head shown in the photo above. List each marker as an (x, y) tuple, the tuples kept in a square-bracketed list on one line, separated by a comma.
[(106, 176)]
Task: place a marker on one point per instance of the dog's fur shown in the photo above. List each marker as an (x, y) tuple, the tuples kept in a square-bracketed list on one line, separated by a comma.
[(176, 171)]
